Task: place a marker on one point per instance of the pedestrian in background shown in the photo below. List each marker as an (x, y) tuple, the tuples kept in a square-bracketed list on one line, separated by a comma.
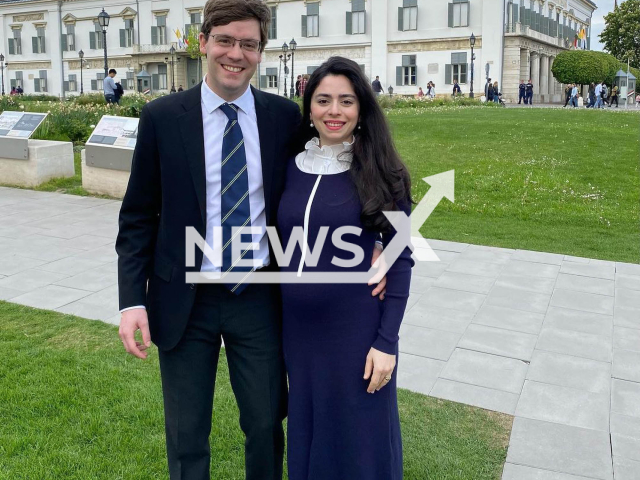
[(522, 91), (614, 96), (574, 96), (529, 92), (598, 93), (456, 89), (496, 92)]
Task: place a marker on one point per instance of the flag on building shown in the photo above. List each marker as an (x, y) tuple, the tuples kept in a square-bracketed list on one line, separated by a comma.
[(179, 37)]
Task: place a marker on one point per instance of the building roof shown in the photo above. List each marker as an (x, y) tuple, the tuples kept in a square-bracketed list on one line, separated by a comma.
[(622, 73)]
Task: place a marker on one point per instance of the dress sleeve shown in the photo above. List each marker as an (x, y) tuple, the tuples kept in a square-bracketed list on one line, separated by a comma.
[(395, 302)]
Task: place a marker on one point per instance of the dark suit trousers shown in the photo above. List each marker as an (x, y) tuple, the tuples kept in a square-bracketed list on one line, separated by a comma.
[(250, 324)]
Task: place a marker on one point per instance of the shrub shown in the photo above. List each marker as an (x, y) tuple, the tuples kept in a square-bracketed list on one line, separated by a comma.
[(38, 98), (584, 67)]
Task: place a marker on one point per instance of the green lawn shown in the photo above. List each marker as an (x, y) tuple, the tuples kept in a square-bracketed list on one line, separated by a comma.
[(562, 181), (73, 405)]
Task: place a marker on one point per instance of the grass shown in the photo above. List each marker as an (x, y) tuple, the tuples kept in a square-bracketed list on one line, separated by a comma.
[(75, 406), (538, 179), (564, 181)]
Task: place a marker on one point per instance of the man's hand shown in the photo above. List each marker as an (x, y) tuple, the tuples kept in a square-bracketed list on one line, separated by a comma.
[(379, 367), (132, 321), (378, 259)]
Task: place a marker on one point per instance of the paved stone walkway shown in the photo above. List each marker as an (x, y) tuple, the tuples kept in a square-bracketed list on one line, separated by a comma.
[(552, 339)]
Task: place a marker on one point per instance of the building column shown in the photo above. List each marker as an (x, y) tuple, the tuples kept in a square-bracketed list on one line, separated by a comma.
[(525, 65), (535, 72), (544, 75)]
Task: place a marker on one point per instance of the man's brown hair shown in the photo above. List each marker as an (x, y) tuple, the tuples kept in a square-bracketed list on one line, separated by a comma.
[(223, 12)]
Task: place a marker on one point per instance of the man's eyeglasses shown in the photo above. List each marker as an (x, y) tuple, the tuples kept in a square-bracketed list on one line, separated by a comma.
[(226, 41)]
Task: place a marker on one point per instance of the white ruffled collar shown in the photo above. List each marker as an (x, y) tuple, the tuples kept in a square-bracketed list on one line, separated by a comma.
[(325, 160)]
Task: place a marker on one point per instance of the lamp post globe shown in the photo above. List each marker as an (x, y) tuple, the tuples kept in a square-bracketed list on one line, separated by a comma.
[(81, 55), (292, 45), (472, 42), (103, 21)]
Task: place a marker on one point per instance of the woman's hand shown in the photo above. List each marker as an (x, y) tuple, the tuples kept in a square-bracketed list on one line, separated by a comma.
[(379, 368)]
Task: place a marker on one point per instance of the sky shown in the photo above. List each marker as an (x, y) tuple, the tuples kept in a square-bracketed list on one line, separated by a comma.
[(604, 7)]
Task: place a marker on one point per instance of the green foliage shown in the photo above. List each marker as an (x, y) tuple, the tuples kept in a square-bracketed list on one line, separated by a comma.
[(621, 34), (8, 102), (584, 67), (193, 45), (89, 99), (38, 98)]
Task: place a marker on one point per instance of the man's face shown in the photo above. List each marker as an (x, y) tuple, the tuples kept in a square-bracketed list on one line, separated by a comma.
[(230, 68), (112, 74)]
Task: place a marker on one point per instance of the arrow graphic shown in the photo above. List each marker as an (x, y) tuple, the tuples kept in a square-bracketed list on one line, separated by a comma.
[(442, 186)]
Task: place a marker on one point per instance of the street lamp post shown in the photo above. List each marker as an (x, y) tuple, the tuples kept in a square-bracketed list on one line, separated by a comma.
[(103, 20), (2, 70), (292, 46), (285, 59), (81, 55), (173, 62), (472, 42)]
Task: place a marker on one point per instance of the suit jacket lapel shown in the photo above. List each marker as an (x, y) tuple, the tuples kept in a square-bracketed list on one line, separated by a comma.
[(267, 132), (192, 131)]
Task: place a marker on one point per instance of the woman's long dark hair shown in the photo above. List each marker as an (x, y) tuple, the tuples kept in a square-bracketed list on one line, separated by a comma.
[(382, 180)]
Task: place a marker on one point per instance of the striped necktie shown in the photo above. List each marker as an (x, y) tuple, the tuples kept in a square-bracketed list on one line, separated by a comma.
[(236, 211)]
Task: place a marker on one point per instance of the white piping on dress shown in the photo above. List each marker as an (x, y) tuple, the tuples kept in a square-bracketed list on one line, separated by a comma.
[(306, 225)]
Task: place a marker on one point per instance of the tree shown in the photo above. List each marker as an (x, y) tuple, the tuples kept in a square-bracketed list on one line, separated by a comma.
[(621, 34), (584, 67), (193, 48)]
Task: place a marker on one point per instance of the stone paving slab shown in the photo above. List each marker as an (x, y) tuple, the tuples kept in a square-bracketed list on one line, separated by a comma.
[(545, 335), (487, 398), (567, 371), (509, 319), (485, 370), (578, 344), (498, 341), (521, 472), (560, 448), (577, 321), (625, 398), (563, 405), (626, 469)]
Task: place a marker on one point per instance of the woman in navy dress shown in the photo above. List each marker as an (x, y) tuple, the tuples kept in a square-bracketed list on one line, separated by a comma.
[(340, 341)]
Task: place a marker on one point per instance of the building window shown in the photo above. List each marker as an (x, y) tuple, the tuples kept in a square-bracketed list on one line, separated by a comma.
[(356, 18), (159, 32), (408, 15), (98, 83), (407, 73), (312, 69), (17, 82), (273, 25), (71, 85), (38, 42), (159, 80), (196, 23), (40, 83), (96, 38), (270, 79), (457, 69), (126, 34), (459, 14), (15, 44), (69, 39), (311, 21)]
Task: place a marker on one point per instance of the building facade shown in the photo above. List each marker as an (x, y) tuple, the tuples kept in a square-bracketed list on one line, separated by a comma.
[(405, 42)]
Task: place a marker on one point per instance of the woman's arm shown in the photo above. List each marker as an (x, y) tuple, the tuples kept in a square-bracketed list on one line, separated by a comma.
[(398, 282)]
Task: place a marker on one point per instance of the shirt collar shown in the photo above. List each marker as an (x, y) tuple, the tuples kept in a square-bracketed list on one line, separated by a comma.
[(212, 100)]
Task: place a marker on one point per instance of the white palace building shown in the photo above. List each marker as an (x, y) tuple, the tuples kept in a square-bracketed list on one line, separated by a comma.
[(405, 42)]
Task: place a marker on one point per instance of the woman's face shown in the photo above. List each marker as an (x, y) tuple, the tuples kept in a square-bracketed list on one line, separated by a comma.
[(335, 110)]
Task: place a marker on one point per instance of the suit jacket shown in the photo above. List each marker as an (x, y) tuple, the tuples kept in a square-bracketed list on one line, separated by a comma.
[(167, 193)]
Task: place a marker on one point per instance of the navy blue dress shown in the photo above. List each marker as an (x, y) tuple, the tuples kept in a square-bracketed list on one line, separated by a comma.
[(336, 430)]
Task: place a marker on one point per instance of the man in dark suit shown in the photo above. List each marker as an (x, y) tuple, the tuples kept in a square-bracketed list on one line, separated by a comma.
[(179, 179)]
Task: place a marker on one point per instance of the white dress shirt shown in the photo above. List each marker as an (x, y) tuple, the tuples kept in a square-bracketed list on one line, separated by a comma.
[(214, 122)]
